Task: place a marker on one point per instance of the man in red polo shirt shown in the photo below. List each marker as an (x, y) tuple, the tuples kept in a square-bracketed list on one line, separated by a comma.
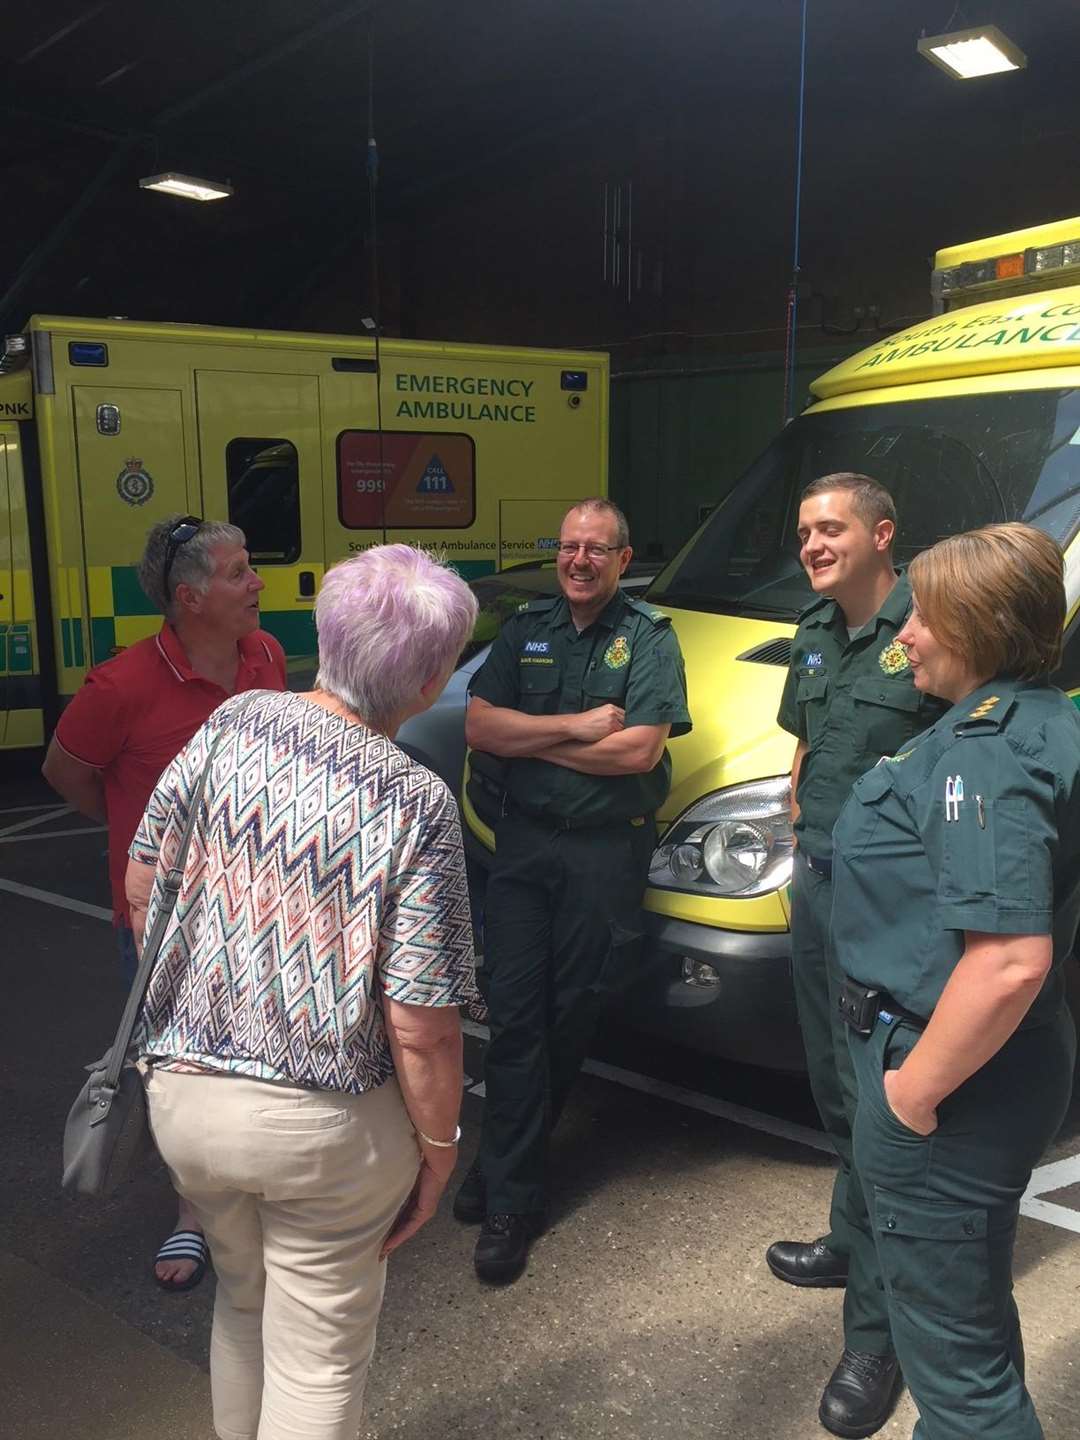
[(135, 713)]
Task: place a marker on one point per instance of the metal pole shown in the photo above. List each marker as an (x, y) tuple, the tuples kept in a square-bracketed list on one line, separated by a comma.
[(604, 265), (629, 236), (793, 296)]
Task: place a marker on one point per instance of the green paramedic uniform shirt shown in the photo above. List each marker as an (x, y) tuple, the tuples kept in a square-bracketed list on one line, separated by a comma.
[(851, 701), (975, 827), (541, 665)]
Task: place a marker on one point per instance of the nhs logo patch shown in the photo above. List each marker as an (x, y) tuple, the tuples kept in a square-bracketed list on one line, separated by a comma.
[(537, 647)]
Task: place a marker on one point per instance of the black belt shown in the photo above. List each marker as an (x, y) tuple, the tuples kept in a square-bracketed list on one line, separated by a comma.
[(860, 1006), (819, 867), (563, 822)]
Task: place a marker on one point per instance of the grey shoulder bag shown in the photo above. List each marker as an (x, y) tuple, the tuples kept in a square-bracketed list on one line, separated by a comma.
[(106, 1130)]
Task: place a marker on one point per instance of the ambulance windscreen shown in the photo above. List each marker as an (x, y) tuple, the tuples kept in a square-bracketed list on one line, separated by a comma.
[(950, 463)]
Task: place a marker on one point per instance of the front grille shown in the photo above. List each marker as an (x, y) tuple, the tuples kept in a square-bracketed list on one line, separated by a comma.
[(770, 652)]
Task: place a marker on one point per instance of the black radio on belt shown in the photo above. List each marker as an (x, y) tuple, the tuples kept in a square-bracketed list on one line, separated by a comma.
[(859, 1006)]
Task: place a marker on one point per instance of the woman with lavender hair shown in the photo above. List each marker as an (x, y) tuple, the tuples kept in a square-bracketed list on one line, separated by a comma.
[(301, 1029)]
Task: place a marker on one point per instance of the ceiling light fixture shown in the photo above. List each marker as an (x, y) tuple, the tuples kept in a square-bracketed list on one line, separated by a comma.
[(966, 54), (188, 187)]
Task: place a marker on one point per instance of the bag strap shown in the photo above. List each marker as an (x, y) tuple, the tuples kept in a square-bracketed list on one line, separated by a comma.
[(152, 944)]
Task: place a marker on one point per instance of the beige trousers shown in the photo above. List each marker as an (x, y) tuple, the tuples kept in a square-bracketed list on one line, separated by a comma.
[(296, 1190)]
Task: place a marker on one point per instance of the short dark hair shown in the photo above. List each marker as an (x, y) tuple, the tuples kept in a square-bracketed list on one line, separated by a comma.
[(601, 506), (870, 501)]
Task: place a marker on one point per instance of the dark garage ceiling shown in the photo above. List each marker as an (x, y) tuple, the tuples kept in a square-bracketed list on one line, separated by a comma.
[(274, 96)]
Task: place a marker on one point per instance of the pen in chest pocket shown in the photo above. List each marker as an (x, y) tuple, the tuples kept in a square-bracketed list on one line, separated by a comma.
[(954, 797)]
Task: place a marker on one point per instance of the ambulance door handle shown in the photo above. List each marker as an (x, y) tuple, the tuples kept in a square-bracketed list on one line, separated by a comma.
[(307, 584)]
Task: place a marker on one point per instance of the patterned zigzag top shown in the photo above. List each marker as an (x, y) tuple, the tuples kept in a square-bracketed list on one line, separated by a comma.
[(327, 866)]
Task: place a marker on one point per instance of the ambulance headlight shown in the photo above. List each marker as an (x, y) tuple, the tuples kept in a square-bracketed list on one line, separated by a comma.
[(733, 842)]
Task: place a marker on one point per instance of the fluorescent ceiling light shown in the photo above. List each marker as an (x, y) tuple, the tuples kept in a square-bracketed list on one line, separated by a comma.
[(188, 187), (965, 54)]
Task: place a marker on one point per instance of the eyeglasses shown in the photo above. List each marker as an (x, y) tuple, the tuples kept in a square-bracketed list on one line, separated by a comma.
[(184, 530), (569, 548)]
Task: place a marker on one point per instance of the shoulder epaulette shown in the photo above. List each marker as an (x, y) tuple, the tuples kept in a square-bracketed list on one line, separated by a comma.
[(543, 602), (818, 603), (987, 717), (650, 612)]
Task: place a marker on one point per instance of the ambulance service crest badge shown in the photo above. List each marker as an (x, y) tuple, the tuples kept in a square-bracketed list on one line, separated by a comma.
[(134, 485), (617, 653), (894, 659)]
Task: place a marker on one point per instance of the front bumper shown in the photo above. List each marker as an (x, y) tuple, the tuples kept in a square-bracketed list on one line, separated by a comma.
[(746, 1013), (742, 1007)]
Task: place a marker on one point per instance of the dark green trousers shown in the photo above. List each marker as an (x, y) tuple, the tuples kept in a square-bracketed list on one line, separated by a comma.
[(562, 932), (943, 1214), (832, 1080)]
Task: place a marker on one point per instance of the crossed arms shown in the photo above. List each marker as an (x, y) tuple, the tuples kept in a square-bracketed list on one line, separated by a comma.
[(593, 742)]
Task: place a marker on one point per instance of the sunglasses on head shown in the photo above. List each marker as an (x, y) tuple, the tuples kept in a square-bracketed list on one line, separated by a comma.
[(184, 530)]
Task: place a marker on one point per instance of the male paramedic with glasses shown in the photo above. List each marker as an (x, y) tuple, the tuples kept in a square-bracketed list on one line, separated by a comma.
[(578, 696), (137, 711)]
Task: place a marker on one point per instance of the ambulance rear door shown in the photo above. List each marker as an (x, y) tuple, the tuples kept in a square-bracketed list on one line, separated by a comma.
[(7, 583), (22, 683), (129, 445), (262, 469)]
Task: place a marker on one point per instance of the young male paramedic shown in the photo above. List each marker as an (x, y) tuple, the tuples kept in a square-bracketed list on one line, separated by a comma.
[(849, 699), (579, 694)]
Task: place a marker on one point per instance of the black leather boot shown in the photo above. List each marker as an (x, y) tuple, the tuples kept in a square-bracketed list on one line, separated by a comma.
[(860, 1395), (503, 1247), (811, 1263)]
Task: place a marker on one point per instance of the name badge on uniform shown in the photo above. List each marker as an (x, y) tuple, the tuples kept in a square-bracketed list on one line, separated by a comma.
[(536, 652)]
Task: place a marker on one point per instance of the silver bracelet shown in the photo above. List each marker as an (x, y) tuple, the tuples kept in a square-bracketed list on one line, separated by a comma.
[(440, 1144)]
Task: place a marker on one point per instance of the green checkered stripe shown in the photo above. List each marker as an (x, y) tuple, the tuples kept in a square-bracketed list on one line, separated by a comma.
[(20, 686), (295, 629), (71, 643), (16, 649), (127, 599)]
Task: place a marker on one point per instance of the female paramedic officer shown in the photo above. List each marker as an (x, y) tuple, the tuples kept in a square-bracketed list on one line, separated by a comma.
[(956, 897)]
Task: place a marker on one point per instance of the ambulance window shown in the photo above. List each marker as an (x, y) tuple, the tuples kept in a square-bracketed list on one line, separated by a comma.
[(263, 477), (398, 480), (1068, 674)]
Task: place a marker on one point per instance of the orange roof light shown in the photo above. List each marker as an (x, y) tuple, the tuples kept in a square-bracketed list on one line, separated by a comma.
[(1008, 267)]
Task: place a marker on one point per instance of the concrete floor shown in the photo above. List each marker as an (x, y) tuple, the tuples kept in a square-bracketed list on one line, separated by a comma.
[(646, 1312)]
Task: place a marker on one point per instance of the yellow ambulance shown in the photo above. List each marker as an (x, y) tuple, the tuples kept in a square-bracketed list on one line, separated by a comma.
[(317, 446), (969, 418)]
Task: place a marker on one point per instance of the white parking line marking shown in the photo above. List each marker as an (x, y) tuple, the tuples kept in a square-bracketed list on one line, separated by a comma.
[(1050, 1214), (695, 1100), (692, 1099), (39, 819), (63, 902), (1054, 1176), (6, 839), (1045, 1180)]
